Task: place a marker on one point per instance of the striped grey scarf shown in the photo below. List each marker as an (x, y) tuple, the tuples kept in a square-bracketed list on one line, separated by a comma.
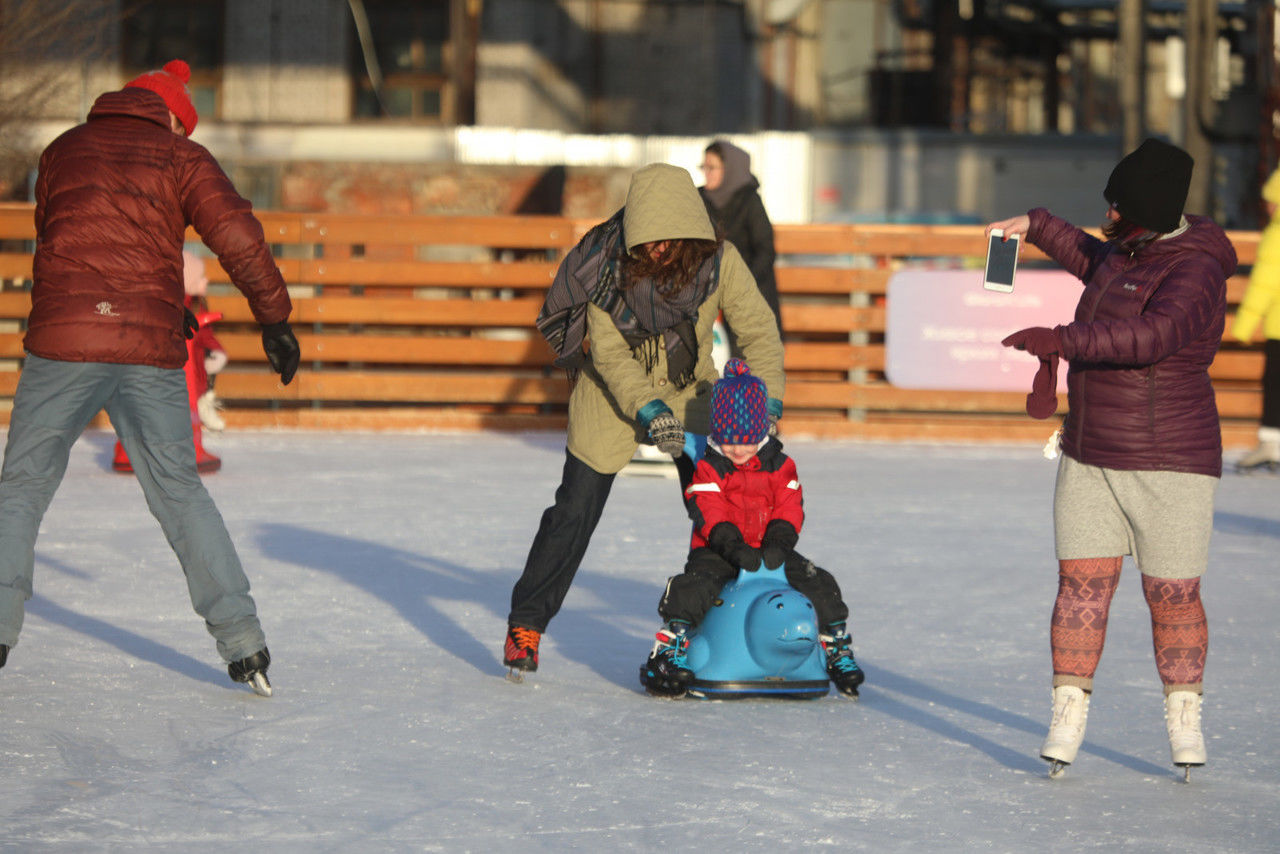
[(642, 313)]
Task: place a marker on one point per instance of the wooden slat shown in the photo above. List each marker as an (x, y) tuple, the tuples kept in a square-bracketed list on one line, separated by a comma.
[(1246, 245), (822, 356), (11, 345), (395, 386), (512, 232), (797, 319), (396, 349), (15, 265), (1237, 365), (408, 274), (832, 280), (394, 311), (17, 221), (15, 304)]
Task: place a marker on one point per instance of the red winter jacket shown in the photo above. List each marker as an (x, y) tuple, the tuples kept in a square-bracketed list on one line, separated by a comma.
[(1146, 329), (765, 488), (113, 199)]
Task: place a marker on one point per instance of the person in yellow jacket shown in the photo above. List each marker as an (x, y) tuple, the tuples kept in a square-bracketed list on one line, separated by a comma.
[(630, 318), (1261, 307)]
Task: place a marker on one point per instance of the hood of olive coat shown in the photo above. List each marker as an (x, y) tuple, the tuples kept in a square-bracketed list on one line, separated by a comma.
[(663, 204)]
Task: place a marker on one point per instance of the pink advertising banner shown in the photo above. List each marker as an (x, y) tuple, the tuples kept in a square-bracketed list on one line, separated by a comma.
[(944, 329)]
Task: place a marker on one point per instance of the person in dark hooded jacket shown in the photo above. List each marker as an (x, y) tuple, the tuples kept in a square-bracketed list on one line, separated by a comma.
[(107, 330), (1141, 441), (732, 196)]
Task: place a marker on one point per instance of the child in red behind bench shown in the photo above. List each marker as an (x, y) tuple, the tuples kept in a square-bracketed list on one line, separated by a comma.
[(747, 508), (205, 357)]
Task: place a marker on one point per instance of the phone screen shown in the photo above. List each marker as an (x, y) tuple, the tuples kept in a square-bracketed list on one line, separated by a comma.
[(1002, 258)]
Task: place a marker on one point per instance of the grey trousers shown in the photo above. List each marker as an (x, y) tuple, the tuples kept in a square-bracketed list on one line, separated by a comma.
[(150, 412)]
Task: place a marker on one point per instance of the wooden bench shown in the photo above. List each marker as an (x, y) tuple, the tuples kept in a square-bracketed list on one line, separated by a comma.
[(427, 322)]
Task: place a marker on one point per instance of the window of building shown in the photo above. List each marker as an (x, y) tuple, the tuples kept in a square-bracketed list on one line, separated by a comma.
[(399, 59), (156, 31)]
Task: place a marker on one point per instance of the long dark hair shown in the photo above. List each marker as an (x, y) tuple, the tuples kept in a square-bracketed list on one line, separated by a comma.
[(671, 270), (1128, 236)]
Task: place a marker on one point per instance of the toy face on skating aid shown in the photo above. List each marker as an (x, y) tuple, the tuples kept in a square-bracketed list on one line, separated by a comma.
[(780, 630)]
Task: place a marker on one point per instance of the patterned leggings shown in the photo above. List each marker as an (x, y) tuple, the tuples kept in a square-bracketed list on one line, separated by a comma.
[(1179, 630)]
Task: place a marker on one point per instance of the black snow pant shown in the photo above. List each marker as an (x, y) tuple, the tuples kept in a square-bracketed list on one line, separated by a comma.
[(562, 540), (692, 593)]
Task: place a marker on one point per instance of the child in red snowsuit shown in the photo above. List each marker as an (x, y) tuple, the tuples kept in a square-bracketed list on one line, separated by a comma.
[(205, 357), (748, 509)]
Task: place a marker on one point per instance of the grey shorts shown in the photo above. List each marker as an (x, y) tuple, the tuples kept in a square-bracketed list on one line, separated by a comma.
[(1162, 518)]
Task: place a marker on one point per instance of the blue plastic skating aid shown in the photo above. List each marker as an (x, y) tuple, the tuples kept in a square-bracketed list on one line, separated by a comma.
[(759, 640), (695, 445)]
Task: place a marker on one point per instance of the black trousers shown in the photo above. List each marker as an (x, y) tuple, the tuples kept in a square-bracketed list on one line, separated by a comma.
[(691, 594), (1271, 384), (562, 540)]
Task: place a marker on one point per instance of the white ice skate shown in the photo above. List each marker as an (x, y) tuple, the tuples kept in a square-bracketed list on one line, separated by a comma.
[(1182, 719), (1066, 730), (1266, 455)]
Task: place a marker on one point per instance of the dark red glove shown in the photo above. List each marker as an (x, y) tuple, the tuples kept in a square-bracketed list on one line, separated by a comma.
[(1040, 341), (1043, 400)]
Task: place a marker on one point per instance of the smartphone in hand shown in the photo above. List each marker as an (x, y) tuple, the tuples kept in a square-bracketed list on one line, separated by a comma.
[(1002, 261)]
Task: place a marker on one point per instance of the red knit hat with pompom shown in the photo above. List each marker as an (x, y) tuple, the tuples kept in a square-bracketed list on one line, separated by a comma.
[(170, 83)]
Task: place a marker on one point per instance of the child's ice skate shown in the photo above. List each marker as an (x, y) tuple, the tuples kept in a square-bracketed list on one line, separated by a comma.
[(520, 653), (842, 667), (1182, 719), (1066, 730), (666, 672)]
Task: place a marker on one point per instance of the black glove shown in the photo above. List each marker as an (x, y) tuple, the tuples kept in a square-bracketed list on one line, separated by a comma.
[(745, 557), (726, 540), (667, 433), (773, 556), (779, 539), (189, 324), (281, 349)]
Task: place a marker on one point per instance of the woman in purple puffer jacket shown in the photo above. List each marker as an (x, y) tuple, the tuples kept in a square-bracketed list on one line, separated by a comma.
[(1141, 441)]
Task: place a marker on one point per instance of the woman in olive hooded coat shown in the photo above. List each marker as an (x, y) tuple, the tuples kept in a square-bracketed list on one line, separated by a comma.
[(630, 317)]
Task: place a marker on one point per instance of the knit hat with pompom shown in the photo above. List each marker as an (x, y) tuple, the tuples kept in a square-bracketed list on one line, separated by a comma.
[(739, 411), (170, 83)]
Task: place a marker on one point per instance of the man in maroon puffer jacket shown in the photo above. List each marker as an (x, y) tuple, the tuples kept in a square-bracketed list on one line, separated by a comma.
[(1141, 442), (107, 330)]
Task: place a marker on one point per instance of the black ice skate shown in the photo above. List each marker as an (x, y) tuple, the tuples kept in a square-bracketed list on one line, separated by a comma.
[(4, 654), (520, 652), (253, 670), (842, 667), (665, 673)]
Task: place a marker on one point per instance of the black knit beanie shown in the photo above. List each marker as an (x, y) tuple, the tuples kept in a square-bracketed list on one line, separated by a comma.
[(1149, 186)]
